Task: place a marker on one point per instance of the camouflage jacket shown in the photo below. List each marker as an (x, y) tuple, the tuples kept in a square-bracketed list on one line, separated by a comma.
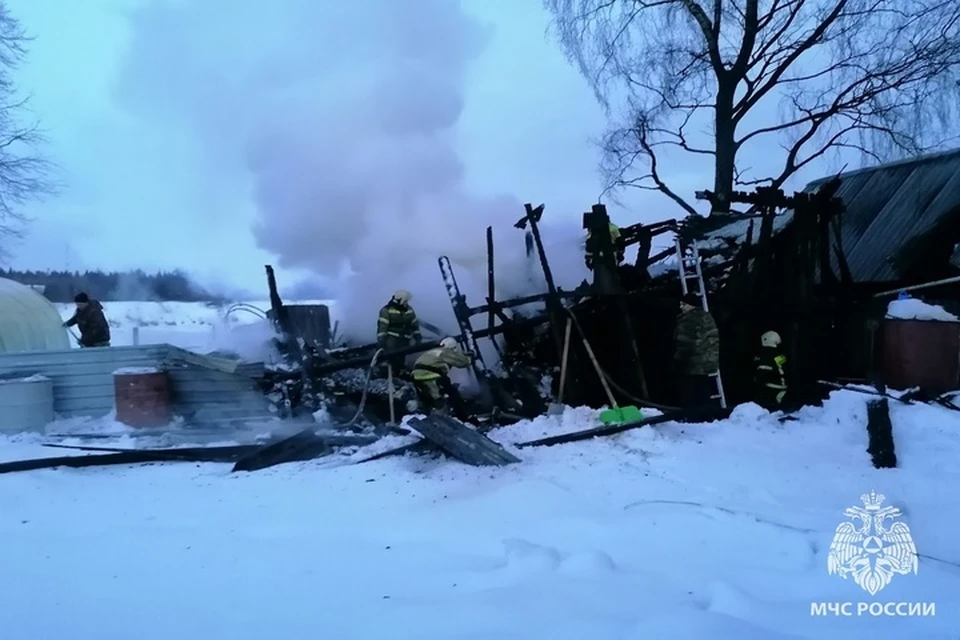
[(93, 325), (398, 322), (696, 343), (438, 361)]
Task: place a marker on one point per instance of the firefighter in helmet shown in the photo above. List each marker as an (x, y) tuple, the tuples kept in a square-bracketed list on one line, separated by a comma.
[(591, 250), (769, 375), (431, 377), (398, 326)]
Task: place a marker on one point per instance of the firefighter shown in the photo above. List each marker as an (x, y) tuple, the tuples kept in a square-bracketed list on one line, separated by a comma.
[(431, 377), (398, 327), (769, 376), (615, 239), (696, 352), (89, 319)]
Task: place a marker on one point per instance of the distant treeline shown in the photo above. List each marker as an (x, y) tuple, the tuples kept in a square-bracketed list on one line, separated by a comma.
[(62, 286)]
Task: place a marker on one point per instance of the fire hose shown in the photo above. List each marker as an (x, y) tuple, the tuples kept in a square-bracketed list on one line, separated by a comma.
[(366, 389)]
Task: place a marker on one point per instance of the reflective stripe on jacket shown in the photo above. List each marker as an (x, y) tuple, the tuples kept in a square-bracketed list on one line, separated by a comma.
[(770, 373), (618, 248), (436, 363), (398, 321)]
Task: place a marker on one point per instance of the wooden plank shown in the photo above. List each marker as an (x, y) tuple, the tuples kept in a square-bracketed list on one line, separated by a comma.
[(305, 445), (880, 434), (462, 442), (125, 456), (229, 453), (613, 429), (596, 432)]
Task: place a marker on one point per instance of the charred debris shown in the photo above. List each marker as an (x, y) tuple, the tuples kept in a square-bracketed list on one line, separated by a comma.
[(794, 281), (792, 278)]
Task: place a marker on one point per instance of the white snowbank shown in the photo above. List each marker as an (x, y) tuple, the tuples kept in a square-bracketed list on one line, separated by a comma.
[(717, 530), (34, 378), (914, 309), (133, 371)]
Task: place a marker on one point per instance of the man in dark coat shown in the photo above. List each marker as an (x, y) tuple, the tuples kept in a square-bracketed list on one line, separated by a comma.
[(696, 353), (89, 319)]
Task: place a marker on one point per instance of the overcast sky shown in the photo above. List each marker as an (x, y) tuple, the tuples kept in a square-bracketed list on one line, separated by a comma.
[(219, 135)]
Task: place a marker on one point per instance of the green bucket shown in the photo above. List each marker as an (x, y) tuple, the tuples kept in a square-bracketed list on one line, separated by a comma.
[(621, 415)]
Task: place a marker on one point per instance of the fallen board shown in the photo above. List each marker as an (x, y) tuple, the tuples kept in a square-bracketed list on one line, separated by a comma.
[(880, 435), (305, 445), (210, 454), (613, 429), (462, 442), (120, 457), (418, 447)]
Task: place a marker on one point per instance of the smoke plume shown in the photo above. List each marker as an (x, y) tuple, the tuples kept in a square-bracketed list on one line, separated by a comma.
[(339, 120)]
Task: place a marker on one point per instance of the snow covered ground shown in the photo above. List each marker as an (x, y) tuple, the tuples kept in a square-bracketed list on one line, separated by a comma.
[(196, 326), (718, 530)]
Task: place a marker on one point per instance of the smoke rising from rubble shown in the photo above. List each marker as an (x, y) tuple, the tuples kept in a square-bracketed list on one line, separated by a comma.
[(339, 121)]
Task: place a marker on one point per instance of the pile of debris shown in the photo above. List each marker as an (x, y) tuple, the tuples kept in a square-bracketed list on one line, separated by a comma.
[(592, 346)]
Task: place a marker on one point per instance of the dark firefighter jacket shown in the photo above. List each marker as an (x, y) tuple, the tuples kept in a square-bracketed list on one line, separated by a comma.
[(615, 239), (93, 326), (769, 377), (696, 343), (398, 323)]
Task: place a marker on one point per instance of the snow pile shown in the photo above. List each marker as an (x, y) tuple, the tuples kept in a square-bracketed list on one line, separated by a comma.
[(133, 371), (34, 378), (914, 309), (671, 531)]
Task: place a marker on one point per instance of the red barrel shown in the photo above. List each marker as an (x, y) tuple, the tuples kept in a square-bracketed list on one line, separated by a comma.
[(143, 398)]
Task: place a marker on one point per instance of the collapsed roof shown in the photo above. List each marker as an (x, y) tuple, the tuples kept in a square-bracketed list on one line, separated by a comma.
[(899, 218)]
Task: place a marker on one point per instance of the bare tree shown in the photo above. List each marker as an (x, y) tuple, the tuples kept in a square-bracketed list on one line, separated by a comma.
[(879, 76), (24, 171)]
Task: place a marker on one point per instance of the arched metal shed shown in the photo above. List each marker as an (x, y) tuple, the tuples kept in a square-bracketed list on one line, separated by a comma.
[(28, 321)]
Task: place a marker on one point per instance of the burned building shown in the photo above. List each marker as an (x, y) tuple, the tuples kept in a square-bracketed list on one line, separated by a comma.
[(866, 234)]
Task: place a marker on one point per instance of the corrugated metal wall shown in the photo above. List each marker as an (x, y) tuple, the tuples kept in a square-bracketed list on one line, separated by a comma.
[(83, 382)]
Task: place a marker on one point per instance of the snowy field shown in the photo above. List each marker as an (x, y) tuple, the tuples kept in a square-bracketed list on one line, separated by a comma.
[(669, 532), (191, 325)]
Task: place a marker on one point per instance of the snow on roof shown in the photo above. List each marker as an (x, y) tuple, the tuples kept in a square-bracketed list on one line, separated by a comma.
[(914, 309), (28, 321)]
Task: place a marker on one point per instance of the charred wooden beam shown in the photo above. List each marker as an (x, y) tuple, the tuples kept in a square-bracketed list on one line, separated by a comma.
[(880, 434), (532, 217), (693, 415), (554, 308), (491, 280), (363, 361), (606, 280), (301, 446), (291, 341), (519, 302), (494, 311)]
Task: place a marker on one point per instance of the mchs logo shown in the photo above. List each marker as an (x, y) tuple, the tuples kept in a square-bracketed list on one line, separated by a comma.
[(872, 546)]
